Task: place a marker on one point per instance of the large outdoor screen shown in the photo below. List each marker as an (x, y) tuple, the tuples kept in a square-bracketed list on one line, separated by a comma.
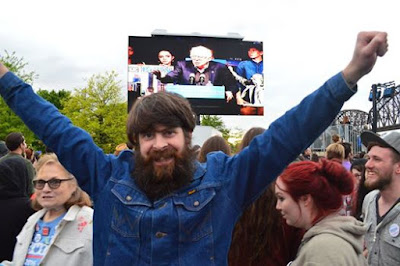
[(219, 76)]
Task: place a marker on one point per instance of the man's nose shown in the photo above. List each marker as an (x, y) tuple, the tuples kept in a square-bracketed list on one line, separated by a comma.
[(368, 164), (159, 142)]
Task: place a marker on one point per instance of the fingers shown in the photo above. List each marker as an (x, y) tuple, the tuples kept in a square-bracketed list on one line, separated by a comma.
[(384, 46), (375, 43)]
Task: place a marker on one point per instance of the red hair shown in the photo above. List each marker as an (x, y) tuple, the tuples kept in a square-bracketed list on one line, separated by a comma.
[(326, 181)]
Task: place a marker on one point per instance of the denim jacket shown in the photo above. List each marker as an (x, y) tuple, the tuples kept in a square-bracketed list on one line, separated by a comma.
[(192, 226)]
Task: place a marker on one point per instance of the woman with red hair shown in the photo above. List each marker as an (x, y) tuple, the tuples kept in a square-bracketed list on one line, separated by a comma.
[(309, 195)]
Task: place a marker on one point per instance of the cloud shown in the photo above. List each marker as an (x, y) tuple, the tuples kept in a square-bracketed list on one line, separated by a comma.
[(305, 42)]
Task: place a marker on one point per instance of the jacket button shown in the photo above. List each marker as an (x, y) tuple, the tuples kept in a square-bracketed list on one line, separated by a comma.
[(128, 198), (160, 234), (196, 203)]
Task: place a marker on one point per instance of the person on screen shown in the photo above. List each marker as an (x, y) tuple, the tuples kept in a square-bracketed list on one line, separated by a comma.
[(202, 71), (250, 77), (131, 52), (158, 205), (165, 58)]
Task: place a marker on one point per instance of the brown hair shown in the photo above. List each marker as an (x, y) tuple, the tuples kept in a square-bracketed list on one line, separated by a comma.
[(162, 108), (13, 140), (261, 237), (214, 143), (249, 135), (335, 138), (78, 197), (30, 155)]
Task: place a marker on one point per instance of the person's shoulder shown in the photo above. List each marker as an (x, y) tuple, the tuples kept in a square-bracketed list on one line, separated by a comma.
[(184, 63), (82, 210), (244, 62), (326, 246), (371, 196)]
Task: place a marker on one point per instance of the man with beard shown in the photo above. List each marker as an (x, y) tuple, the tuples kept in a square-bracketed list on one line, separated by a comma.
[(159, 205), (381, 208)]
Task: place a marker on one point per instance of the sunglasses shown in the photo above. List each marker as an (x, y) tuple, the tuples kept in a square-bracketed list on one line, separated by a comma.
[(53, 183)]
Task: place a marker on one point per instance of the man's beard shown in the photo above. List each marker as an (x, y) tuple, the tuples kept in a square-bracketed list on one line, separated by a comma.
[(383, 181), (159, 181)]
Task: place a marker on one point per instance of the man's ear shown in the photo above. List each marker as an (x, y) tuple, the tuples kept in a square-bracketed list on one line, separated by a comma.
[(397, 169)]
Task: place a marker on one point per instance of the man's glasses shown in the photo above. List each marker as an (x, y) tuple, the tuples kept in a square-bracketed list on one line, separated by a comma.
[(53, 183)]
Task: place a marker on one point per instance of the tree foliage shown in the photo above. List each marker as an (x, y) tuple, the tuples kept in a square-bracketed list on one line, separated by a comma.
[(217, 123), (99, 109), (10, 122), (58, 98), (17, 65)]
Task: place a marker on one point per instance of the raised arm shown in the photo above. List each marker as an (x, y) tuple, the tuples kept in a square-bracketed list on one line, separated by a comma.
[(369, 46), (74, 147), (266, 157)]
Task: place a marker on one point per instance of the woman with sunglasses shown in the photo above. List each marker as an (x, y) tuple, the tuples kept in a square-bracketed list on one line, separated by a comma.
[(309, 196), (60, 232)]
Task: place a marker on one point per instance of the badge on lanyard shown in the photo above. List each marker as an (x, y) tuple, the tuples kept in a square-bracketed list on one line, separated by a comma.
[(394, 230), (45, 231), (37, 238), (46, 240)]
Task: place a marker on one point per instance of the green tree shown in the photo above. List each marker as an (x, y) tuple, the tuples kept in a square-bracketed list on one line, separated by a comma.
[(56, 98), (217, 123), (99, 109), (9, 122), (18, 66)]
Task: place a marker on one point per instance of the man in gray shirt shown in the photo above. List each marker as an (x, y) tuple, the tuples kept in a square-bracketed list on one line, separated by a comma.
[(381, 208)]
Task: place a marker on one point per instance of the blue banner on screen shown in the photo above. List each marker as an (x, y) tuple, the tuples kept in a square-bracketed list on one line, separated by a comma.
[(203, 92)]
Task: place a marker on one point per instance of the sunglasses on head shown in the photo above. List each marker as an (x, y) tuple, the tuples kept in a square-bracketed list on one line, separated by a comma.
[(53, 183)]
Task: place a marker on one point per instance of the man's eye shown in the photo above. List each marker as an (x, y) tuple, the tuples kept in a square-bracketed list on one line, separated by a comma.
[(147, 135), (169, 133)]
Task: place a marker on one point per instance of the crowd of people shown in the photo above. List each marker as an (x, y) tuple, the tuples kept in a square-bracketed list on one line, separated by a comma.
[(162, 202)]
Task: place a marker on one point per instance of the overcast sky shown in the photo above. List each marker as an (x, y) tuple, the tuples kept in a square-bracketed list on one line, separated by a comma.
[(305, 42)]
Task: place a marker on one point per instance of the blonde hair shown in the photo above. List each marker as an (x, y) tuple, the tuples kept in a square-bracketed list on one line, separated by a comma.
[(335, 151), (78, 197)]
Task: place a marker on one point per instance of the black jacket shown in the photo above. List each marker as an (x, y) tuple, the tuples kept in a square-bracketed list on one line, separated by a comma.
[(15, 206)]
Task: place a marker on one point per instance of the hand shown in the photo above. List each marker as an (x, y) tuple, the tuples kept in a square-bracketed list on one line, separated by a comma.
[(157, 73), (229, 96), (3, 70), (239, 99), (365, 253), (369, 46)]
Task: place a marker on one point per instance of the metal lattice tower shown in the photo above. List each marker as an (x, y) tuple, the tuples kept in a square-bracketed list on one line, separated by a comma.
[(357, 118), (388, 110)]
